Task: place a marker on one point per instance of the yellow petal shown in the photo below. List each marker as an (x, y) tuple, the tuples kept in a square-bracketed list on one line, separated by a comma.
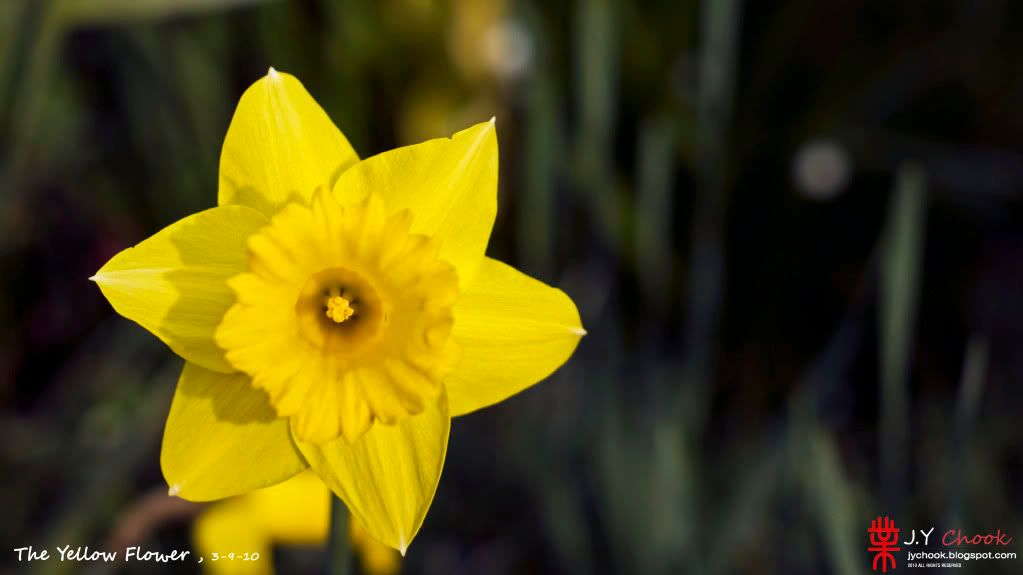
[(227, 528), (296, 512), (222, 438), (375, 557), (388, 477), (514, 331), (449, 185), (280, 147), (175, 283), (293, 513)]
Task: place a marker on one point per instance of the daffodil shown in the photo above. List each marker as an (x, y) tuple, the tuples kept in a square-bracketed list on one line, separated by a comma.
[(237, 536), (336, 313)]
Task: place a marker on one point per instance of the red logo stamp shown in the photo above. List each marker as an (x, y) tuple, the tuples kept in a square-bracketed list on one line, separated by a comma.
[(884, 535)]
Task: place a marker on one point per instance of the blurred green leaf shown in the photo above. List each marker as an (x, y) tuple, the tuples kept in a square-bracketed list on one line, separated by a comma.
[(833, 499), (901, 255), (116, 11)]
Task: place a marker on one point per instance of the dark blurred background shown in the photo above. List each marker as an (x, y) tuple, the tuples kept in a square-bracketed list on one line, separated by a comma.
[(792, 229)]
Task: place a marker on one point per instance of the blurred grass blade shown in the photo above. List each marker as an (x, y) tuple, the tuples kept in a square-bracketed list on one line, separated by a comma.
[(742, 516), (543, 146), (719, 39), (900, 260), (565, 516), (653, 226), (17, 20), (340, 549), (27, 100), (831, 495), (597, 70), (971, 384), (647, 480), (113, 11), (597, 88), (971, 391)]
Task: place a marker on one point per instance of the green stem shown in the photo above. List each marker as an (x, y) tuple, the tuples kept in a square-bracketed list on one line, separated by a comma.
[(340, 551)]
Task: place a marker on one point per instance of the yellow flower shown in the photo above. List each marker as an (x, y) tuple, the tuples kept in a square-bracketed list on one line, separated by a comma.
[(336, 313), (375, 557), (293, 513)]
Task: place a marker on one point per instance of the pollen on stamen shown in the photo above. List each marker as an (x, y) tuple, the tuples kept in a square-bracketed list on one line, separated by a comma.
[(339, 309)]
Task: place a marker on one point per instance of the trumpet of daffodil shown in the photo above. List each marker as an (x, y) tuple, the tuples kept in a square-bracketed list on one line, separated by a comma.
[(336, 313), (293, 513)]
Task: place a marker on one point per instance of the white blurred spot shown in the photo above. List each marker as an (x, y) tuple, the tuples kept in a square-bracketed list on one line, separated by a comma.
[(175, 489), (821, 169), (508, 49)]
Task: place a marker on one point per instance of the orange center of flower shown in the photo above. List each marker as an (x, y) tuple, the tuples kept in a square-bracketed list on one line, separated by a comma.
[(339, 312)]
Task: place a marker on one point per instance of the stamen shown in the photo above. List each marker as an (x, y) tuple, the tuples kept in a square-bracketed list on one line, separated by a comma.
[(339, 309)]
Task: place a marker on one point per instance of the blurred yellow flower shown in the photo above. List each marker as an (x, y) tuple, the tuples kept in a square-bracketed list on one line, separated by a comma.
[(471, 21), (336, 313), (375, 557), (293, 513)]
